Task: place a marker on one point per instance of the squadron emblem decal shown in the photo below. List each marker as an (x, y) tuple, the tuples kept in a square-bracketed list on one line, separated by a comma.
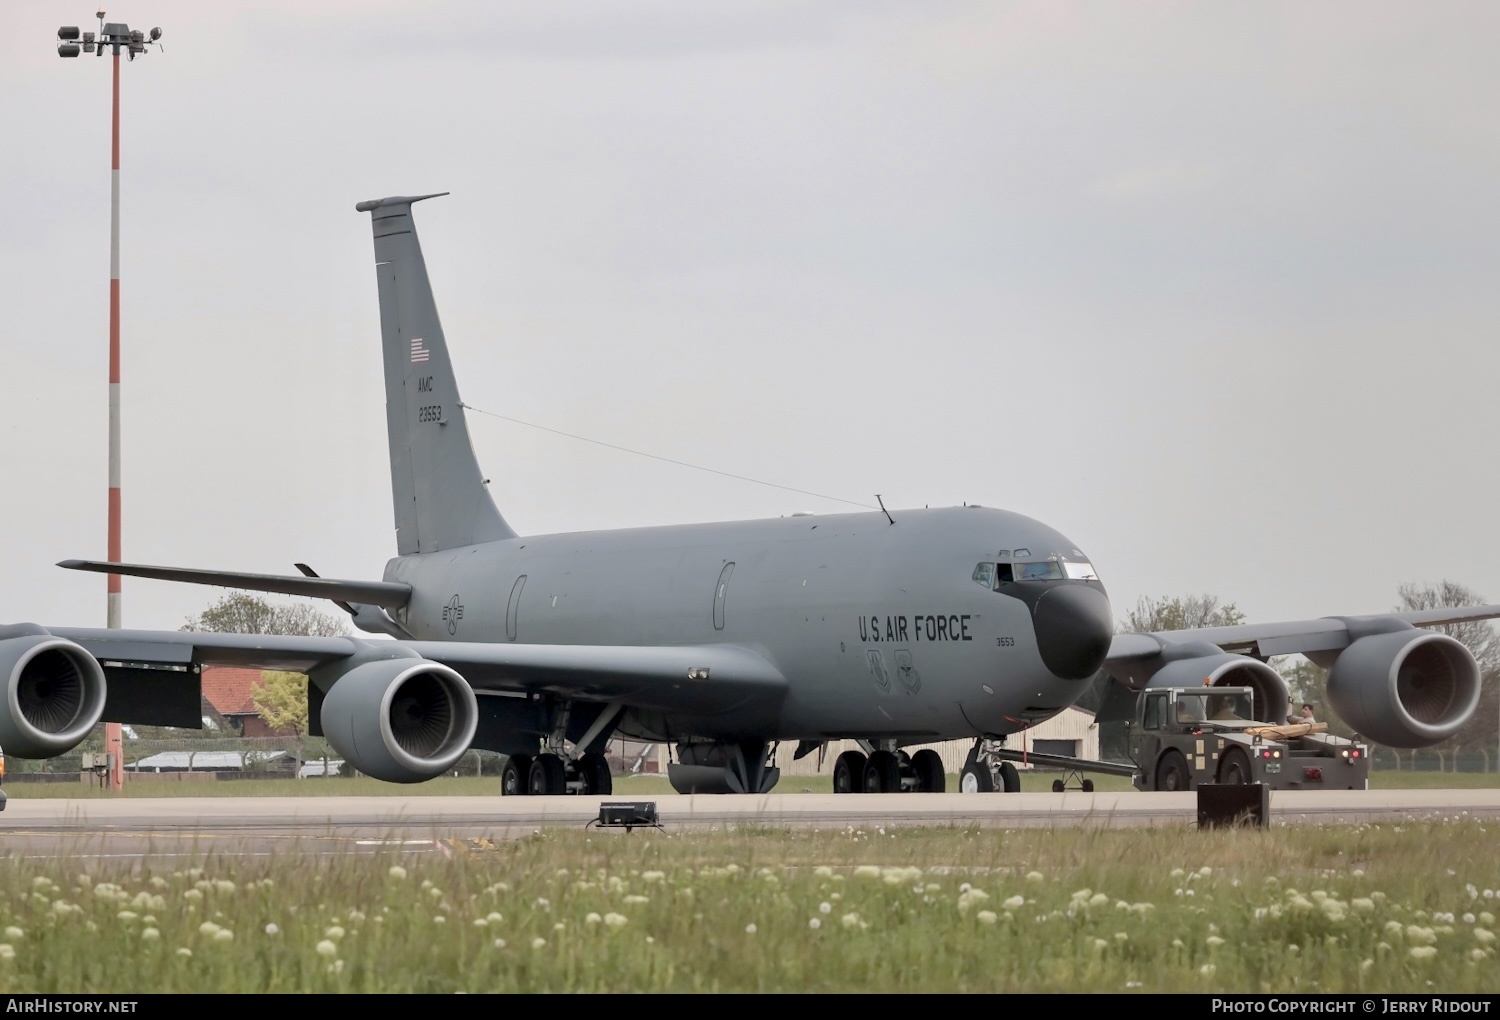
[(452, 613)]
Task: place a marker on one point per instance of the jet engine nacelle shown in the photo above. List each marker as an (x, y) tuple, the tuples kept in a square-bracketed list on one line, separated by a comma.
[(1406, 688), (401, 720), (54, 694), (1225, 669)]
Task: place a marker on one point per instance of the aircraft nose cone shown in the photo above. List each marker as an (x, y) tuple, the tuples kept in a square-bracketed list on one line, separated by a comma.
[(1073, 630)]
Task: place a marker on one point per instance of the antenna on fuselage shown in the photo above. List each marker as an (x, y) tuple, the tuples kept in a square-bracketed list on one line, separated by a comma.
[(883, 509)]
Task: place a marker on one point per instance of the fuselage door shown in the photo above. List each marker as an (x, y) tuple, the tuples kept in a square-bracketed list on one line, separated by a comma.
[(719, 590), (513, 610)]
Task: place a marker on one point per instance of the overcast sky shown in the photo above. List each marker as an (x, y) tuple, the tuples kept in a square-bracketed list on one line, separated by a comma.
[(1209, 287)]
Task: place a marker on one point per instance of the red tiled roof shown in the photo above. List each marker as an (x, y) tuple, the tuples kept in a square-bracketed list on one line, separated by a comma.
[(230, 688)]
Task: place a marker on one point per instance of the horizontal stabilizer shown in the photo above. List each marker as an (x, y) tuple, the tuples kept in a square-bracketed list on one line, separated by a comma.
[(380, 593)]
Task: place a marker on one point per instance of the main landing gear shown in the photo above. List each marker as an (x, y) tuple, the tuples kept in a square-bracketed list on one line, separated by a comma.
[(888, 770), (556, 770), (550, 774)]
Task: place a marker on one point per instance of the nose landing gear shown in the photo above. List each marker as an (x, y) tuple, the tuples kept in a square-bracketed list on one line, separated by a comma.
[(985, 772)]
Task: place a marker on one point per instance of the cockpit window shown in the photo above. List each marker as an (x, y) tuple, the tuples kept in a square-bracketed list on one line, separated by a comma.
[(1080, 571), (984, 575), (1048, 570)]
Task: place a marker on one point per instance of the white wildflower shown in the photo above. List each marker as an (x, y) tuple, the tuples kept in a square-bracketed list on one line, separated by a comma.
[(986, 917), (750, 928), (326, 948), (1422, 952)]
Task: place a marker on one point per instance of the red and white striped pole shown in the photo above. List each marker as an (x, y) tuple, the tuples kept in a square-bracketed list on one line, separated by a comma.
[(72, 42), (114, 745)]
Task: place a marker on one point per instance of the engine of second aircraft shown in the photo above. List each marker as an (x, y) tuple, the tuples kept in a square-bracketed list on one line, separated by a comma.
[(1406, 688), (1215, 668), (400, 720)]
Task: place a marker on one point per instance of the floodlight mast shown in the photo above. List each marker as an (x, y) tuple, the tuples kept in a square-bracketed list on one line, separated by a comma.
[(117, 36)]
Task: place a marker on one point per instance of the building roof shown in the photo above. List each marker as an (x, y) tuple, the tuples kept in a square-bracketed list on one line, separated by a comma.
[(229, 689), (201, 761)]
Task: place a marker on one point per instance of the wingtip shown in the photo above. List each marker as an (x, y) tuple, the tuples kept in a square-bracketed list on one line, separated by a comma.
[(71, 564)]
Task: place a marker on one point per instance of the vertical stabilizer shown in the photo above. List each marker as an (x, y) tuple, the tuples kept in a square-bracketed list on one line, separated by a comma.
[(439, 493)]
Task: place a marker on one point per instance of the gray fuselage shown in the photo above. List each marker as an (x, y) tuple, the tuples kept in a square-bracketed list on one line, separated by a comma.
[(880, 629)]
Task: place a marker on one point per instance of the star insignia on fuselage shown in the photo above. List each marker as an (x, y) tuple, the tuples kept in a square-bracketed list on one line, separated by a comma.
[(452, 613)]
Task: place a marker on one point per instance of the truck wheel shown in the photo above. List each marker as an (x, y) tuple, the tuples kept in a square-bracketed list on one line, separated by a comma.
[(849, 772), (1234, 769), (928, 765), (1010, 778), (1172, 772)]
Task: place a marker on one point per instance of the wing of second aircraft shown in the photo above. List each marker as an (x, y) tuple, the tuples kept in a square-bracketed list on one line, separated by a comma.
[(1328, 634)]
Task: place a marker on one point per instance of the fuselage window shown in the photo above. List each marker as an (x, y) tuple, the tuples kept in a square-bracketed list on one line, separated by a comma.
[(1047, 570), (984, 575)]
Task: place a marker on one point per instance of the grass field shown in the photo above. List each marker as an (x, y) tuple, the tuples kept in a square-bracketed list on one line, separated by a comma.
[(463, 786), (1372, 908)]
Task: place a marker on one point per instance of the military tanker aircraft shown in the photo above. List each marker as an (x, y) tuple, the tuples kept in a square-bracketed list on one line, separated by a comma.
[(893, 629)]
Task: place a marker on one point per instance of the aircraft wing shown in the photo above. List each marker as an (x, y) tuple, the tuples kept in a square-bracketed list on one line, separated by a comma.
[(707, 678), (1329, 634)]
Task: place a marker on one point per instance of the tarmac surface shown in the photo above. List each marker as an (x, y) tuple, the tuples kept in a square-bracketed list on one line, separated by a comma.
[(263, 826)]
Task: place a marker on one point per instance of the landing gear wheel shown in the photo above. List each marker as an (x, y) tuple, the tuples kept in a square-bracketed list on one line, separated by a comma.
[(1088, 786), (597, 781), (1234, 769), (516, 776), (1058, 786), (975, 778), (1172, 772), (849, 773), (548, 776), (1010, 778), (928, 765), (883, 773)]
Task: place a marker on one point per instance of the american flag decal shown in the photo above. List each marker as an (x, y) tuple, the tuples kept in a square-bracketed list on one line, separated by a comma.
[(418, 352)]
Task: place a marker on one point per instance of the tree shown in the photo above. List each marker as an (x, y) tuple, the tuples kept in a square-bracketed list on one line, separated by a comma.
[(1181, 612), (242, 613), (281, 700)]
